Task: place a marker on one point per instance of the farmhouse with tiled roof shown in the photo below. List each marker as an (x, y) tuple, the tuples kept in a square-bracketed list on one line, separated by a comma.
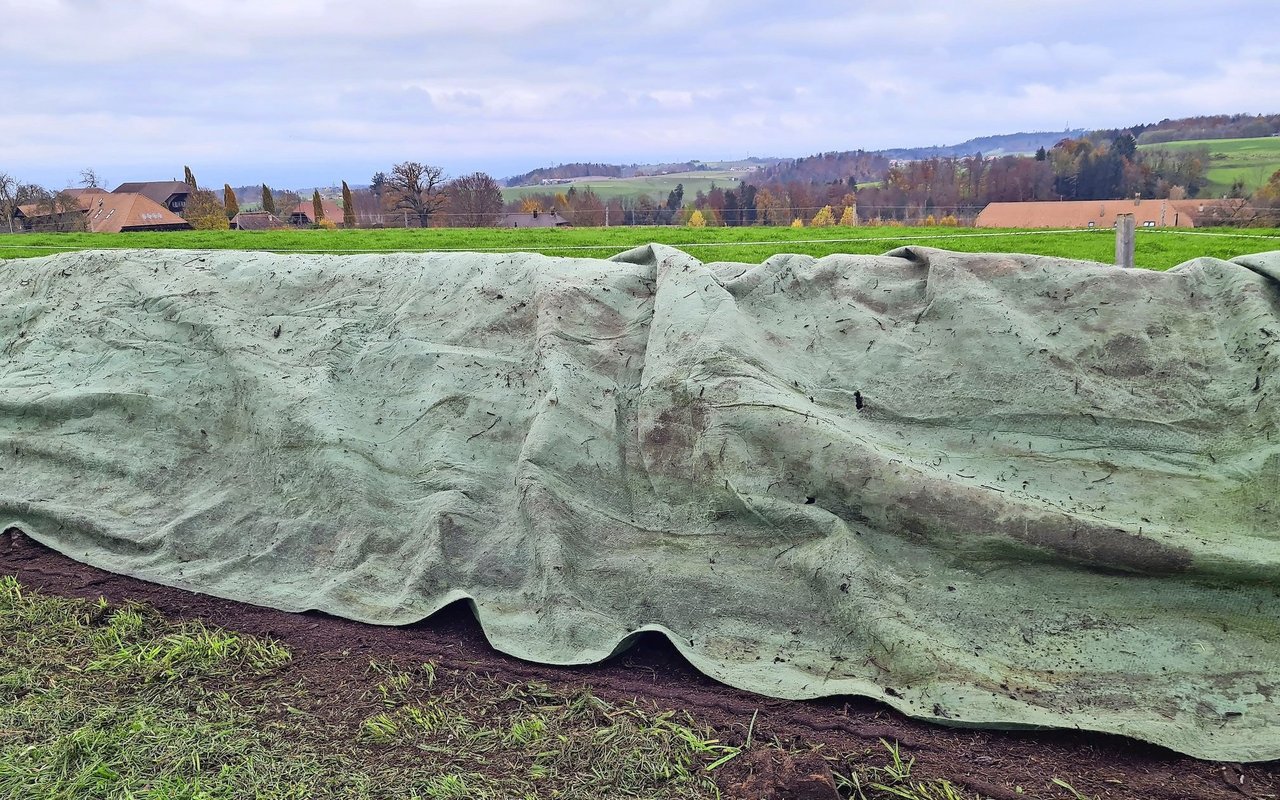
[(1097, 213), (302, 213), (109, 212), (256, 221), (170, 194)]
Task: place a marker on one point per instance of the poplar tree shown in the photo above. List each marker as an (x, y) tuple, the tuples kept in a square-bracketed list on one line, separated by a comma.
[(189, 177), (268, 202), (229, 201), (348, 207), (317, 207)]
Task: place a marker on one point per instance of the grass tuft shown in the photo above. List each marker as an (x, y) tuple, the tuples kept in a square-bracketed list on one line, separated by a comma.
[(894, 781), (119, 703)]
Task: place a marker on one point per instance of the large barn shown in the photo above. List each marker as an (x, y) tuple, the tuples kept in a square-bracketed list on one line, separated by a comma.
[(1100, 213)]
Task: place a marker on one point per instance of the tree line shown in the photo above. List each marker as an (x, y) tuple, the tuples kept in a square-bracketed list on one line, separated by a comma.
[(826, 189)]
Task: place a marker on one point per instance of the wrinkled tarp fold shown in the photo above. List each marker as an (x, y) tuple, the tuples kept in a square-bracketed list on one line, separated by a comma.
[(989, 490)]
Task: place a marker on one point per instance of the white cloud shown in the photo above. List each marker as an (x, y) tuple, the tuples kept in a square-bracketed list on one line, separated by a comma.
[(296, 91)]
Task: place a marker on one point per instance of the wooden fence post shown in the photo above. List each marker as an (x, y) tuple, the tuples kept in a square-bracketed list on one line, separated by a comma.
[(1125, 226)]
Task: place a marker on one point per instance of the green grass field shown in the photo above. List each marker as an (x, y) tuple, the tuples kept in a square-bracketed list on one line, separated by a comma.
[(1250, 160), (655, 186), (1155, 249)]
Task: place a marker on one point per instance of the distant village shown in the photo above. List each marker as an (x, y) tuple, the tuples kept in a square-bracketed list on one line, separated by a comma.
[(170, 206)]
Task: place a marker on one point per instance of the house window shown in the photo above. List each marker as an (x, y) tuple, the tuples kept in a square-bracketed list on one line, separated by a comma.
[(1090, 223), (1149, 224)]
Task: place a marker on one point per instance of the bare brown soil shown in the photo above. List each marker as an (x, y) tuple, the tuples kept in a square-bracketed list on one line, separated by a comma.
[(332, 654)]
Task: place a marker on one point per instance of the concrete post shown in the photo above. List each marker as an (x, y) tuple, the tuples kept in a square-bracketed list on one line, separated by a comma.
[(1125, 227)]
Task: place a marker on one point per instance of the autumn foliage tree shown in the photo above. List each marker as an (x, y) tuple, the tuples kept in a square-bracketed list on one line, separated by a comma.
[(317, 207), (229, 201), (584, 208), (1267, 201), (417, 188), (204, 212), (770, 209)]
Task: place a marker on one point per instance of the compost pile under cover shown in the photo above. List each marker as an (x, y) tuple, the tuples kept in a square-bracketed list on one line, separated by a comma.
[(988, 490)]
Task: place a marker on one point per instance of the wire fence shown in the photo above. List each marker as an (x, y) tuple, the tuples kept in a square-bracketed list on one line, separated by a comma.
[(906, 236)]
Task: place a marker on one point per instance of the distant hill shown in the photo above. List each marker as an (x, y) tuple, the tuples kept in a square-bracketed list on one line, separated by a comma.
[(1220, 126), (563, 173), (861, 165), (865, 166), (1232, 164), (857, 166), (569, 173), (1005, 144), (740, 165)]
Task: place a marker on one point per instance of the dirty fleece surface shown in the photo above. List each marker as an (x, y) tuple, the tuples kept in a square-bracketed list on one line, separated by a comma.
[(989, 490)]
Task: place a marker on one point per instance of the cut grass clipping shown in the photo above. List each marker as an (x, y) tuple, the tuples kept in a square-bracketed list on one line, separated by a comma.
[(119, 703)]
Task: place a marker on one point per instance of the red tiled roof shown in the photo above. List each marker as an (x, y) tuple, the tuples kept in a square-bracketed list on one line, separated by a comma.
[(113, 212), (159, 191), (1093, 213), (331, 211), (256, 221)]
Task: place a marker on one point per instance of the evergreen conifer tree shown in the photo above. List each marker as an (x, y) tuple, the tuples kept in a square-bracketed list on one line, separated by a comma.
[(348, 207), (268, 202), (317, 207), (189, 177), (229, 201)]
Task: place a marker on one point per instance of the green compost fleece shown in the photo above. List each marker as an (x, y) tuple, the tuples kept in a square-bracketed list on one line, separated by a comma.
[(988, 490)]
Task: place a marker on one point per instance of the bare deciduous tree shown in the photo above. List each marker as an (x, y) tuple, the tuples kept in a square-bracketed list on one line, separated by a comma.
[(54, 211), (286, 201), (417, 188), (8, 197), (475, 201), (89, 178)]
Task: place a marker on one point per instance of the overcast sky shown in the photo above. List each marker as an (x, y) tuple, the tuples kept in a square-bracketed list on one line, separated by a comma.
[(300, 93)]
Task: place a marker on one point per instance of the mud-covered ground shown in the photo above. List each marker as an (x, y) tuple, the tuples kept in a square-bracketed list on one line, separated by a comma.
[(329, 651)]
